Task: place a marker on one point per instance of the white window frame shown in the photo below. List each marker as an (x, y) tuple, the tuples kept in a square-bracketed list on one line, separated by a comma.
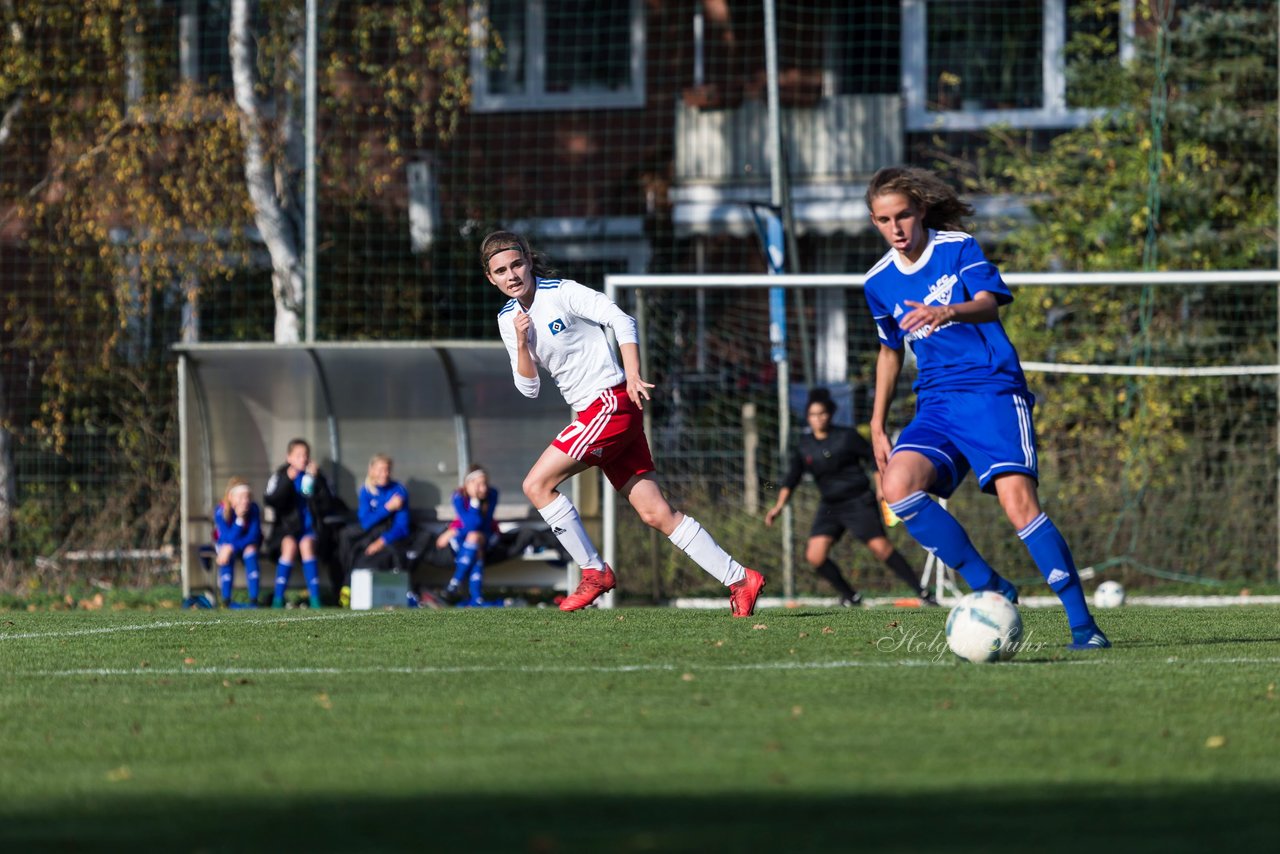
[(535, 96), (1054, 112)]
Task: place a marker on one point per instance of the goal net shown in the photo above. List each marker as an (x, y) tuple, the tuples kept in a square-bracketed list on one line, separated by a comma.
[(1156, 417)]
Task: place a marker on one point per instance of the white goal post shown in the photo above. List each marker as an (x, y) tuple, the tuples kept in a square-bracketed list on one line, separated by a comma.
[(628, 291)]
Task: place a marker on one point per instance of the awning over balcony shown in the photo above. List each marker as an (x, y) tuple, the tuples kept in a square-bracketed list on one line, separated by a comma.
[(818, 209), (822, 209)]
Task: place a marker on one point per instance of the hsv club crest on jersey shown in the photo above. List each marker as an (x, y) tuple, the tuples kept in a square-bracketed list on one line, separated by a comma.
[(955, 356)]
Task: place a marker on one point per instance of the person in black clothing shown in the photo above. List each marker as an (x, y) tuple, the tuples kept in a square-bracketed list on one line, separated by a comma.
[(834, 455), (300, 497)]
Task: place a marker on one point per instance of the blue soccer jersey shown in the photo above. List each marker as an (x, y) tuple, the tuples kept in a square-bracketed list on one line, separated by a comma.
[(957, 356)]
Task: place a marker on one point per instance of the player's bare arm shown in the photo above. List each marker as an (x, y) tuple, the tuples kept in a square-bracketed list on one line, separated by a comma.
[(888, 367), (637, 388), (981, 309), (524, 359)]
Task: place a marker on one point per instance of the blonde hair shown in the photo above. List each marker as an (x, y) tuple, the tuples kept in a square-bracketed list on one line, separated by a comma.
[(233, 484), (374, 460), (473, 471)]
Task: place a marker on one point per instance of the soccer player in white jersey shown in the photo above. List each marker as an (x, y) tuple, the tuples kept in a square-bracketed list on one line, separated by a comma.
[(559, 325), (935, 290)]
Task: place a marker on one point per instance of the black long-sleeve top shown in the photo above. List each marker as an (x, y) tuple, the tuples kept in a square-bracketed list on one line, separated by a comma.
[(835, 462)]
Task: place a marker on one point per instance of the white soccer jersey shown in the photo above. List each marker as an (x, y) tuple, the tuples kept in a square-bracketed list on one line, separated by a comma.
[(568, 339)]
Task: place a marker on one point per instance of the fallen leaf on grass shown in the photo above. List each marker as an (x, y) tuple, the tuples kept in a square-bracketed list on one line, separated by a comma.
[(1213, 742), (687, 677), (188, 660), (119, 775), (827, 630), (797, 711), (759, 626), (323, 701)]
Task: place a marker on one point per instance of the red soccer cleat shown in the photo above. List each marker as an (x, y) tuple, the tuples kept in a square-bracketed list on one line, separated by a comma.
[(743, 595), (594, 583)]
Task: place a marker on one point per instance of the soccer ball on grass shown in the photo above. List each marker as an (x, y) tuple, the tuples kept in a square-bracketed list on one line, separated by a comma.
[(984, 627), (1109, 594)]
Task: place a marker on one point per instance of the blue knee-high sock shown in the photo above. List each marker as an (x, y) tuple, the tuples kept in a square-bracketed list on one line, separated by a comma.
[(463, 562), (311, 572), (476, 586), (939, 532), (282, 579), (225, 574), (1053, 557), (251, 576)]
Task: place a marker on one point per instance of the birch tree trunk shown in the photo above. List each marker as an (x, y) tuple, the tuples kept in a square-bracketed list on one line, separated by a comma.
[(273, 187), (8, 477)]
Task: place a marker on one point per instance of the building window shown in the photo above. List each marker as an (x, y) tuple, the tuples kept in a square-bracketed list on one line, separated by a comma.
[(969, 65), (557, 55), (863, 49)]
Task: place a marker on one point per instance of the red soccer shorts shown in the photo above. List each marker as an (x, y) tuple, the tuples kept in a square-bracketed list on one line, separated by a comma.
[(610, 434)]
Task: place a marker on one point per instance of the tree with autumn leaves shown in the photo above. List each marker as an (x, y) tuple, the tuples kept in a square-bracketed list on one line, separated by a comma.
[(134, 196)]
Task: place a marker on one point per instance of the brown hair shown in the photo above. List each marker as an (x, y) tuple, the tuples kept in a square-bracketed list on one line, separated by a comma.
[(943, 208), (293, 443), (501, 241), (233, 483)]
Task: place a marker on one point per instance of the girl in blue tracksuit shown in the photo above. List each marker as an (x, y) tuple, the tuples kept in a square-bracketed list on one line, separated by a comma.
[(237, 532), (472, 534), (378, 541)]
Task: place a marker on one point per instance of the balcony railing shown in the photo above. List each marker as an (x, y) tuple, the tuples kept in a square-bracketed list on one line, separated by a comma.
[(842, 138)]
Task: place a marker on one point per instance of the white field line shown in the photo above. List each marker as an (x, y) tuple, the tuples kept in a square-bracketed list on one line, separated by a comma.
[(1023, 602), (1098, 659), (143, 627)]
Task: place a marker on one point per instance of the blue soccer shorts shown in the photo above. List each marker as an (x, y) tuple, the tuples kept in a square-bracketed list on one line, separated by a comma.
[(992, 434)]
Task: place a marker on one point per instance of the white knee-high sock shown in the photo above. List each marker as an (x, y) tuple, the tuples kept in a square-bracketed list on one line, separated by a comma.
[(566, 524), (693, 540)]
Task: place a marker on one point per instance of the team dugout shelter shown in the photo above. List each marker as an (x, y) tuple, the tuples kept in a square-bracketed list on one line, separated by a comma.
[(434, 406)]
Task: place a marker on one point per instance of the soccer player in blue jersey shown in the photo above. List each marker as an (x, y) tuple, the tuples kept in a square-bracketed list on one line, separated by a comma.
[(935, 290)]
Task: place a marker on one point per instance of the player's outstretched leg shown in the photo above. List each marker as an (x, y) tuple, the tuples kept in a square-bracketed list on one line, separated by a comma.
[(597, 576), (940, 534), (744, 584), (1049, 550)]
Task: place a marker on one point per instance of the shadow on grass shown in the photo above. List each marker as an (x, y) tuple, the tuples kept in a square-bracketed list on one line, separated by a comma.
[(1048, 819)]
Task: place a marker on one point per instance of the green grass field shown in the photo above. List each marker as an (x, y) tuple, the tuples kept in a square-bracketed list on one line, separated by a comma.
[(633, 730)]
